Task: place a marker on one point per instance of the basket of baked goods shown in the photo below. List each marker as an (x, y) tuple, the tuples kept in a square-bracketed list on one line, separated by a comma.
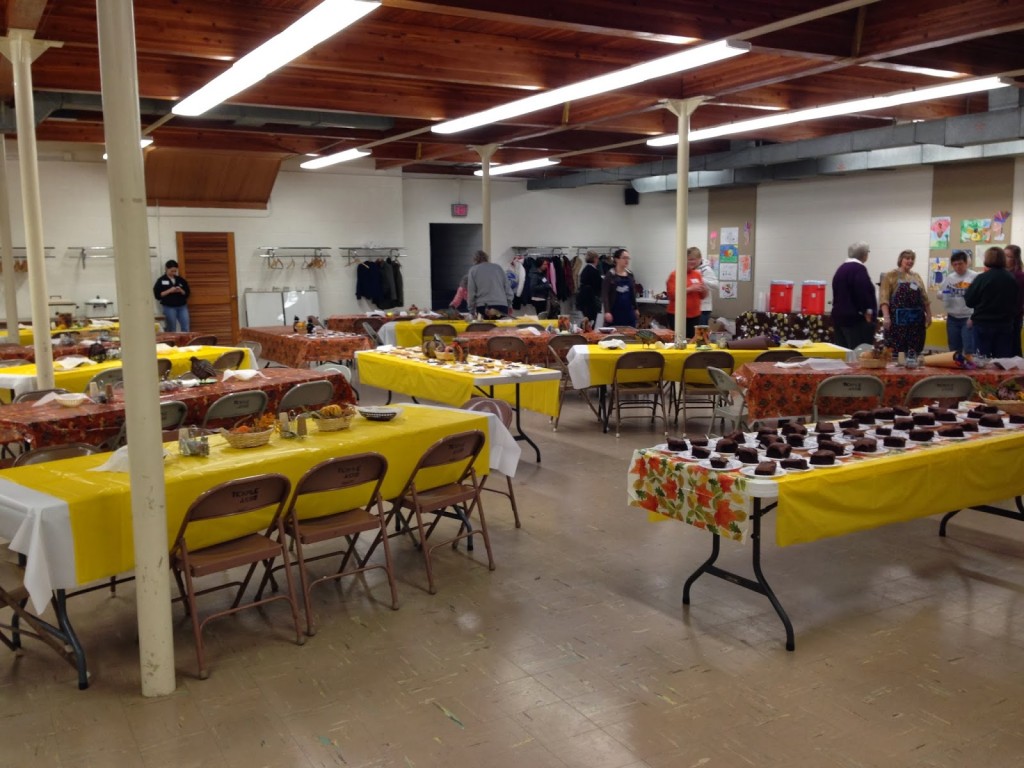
[(332, 418), (877, 357), (252, 433), (1007, 396)]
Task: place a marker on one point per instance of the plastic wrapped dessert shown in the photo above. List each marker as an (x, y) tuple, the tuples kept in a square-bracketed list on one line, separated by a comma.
[(950, 430), (900, 410), (923, 419), (766, 469), (885, 413), (766, 440), (792, 428), (718, 462), (699, 441), (969, 426), (1017, 418), (779, 451), (676, 443), (864, 417), (737, 435), (795, 439), (883, 431), (831, 445), (921, 435), (849, 423), (700, 452), (747, 454), (823, 458), (894, 441), (824, 427), (799, 464), (904, 423), (726, 445), (851, 432), (865, 445), (991, 420)]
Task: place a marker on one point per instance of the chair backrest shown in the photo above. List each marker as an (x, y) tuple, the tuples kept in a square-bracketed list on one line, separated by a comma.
[(342, 473), (109, 376), (172, 414), (558, 349), (507, 348), (36, 394), (370, 331), (13, 362), (848, 386), (943, 386), (207, 340), (253, 346), (723, 381), (163, 368), (699, 361), (54, 452), (538, 326), (237, 405), (778, 355), (641, 360), (484, 327), (444, 330), (306, 395), (374, 322), (231, 359), (499, 408), (449, 451), (236, 497)]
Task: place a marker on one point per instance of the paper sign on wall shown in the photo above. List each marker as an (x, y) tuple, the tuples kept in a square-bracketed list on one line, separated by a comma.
[(939, 237), (727, 290), (975, 230), (727, 271), (746, 267), (730, 235), (997, 232), (728, 254)]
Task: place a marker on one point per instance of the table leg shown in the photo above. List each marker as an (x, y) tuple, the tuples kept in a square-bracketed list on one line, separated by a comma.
[(519, 434), (760, 586), (987, 509), (67, 634)]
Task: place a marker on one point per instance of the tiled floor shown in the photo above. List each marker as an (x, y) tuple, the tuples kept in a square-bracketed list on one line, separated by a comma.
[(575, 652)]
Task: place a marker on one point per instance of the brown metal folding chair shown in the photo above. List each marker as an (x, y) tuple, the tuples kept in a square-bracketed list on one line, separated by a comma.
[(444, 330), (363, 471), (510, 348), (231, 359), (778, 356), (208, 340), (503, 411), (558, 349), (697, 394), (638, 383), (233, 499)]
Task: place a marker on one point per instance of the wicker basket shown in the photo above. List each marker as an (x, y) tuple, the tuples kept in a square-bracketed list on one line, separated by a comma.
[(872, 363), (1015, 407), (445, 357), (325, 424), (248, 439)]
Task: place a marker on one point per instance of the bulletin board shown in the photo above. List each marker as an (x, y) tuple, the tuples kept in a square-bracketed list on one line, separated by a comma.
[(732, 213)]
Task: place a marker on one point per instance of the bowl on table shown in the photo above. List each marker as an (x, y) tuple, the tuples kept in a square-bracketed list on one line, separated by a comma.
[(248, 439), (72, 399), (378, 412)]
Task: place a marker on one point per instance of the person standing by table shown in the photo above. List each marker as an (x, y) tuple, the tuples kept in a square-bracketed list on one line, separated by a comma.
[(619, 291), (172, 291), (710, 280), (588, 295), (903, 302), (959, 326), (459, 302), (994, 298), (854, 306), (695, 292), (488, 287), (1016, 268)]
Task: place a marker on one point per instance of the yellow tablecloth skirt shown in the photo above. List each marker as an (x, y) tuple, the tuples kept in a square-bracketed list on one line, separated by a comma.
[(935, 337), (409, 333)]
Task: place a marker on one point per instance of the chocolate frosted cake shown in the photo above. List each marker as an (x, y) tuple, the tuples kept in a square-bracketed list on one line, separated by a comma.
[(848, 423), (865, 445), (986, 408), (677, 443), (883, 431), (718, 462), (991, 420), (852, 432), (792, 428), (944, 414), (795, 440), (1017, 418), (894, 441), (765, 468), (794, 463), (700, 452), (975, 413), (779, 451), (822, 457), (737, 435), (921, 435), (726, 445), (831, 445), (766, 440), (886, 414), (824, 427), (701, 441), (923, 419), (900, 410), (903, 422), (969, 426), (864, 417), (747, 454), (951, 430)]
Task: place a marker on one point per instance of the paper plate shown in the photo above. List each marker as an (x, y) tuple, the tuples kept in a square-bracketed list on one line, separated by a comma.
[(750, 472), (729, 467)]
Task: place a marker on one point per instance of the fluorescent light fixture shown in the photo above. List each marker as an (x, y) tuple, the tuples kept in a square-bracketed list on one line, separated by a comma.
[(856, 106), (498, 170), (324, 21), (337, 157), (667, 65), (142, 143), (945, 74)]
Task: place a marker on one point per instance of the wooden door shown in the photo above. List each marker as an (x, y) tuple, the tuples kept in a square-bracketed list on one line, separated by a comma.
[(207, 261)]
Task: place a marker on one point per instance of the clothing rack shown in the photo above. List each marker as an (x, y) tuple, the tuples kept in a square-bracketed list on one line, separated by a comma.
[(315, 255), (600, 250), (540, 251), (84, 252), (21, 259), (355, 254)]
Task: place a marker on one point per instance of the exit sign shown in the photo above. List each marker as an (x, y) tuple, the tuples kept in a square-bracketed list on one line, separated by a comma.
[(460, 209)]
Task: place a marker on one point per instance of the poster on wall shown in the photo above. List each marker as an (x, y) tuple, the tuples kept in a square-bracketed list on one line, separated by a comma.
[(713, 240), (728, 271), (746, 267), (727, 290), (974, 230), (746, 232), (937, 267), (939, 236), (730, 235), (997, 232), (728, 254)]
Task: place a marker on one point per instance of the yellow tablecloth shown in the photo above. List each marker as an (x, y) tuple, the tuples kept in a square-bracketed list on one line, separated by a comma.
[(100, 502), (409, 333), (77, 379), (935, 337), (600, 362), (444, 385), (27, 335)]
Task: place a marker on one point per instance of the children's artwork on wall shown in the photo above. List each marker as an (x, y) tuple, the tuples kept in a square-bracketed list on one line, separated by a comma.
[(727, 290), (730, 235), (746, 267), (713, 240), (939, 237), (728, 254), (997, 231), (728, 271), (974, 230), (937, 267), (713, 261), (746, 233)]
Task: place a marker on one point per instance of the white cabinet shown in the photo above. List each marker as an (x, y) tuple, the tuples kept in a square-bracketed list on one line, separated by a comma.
[(279, 307)]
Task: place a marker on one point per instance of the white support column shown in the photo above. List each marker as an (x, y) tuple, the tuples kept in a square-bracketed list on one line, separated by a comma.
[(6, 243), (682, 109), (486, 152), (119, 80), (22, 50)]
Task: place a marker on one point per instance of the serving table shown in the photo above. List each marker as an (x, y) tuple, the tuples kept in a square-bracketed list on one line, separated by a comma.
[(53, 424), (536, 342), (774, 391), (859, 495), (295, 350), (409, 333), (407, 371), (785, 326), (22, 378), (74, 524)]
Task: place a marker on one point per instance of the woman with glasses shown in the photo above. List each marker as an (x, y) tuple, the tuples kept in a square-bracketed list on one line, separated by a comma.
[(904, 305)]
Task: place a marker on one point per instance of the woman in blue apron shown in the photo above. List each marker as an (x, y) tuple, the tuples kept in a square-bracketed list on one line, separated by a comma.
[(904, 305), (619, 292)]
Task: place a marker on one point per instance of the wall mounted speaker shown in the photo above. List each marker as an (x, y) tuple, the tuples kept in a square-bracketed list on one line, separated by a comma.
[(631, 196)]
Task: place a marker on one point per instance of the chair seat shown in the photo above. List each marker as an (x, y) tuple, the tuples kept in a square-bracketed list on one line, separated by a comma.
[(230, 554), (314, 530), (441, 497)]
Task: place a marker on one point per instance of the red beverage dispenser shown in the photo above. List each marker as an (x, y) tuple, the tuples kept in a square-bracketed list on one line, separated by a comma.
[(780, 299), (812, 297)]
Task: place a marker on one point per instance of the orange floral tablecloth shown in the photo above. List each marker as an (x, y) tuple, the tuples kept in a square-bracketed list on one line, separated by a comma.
[(669, 487), (348, 323), (282, 345), (53, 424), (774, 391), (536, 344)]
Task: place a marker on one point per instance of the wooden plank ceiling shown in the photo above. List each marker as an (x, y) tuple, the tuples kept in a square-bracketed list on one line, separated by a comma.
[(416, 62)]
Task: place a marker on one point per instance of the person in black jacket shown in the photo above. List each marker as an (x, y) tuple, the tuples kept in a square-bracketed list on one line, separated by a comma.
[(172, 291), (993, 297), (588, 297)]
